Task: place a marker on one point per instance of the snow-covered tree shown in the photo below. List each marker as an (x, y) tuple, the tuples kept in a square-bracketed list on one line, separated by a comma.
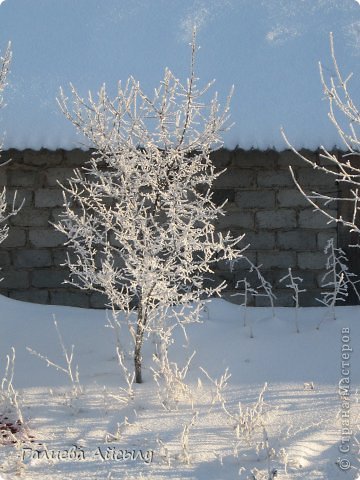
[(337, 278), (139, 216), (345, 169), (4, 213), (294, 284)]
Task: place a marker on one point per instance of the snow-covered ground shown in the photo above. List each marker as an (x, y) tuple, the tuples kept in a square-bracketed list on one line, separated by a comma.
[(269, 50), (300, 415)]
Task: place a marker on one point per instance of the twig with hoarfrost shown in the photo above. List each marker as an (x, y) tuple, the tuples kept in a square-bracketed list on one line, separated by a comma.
[(184, 455), (248, 292), (294, 283), (4, 71), (119, 433), (127, 394), (185, 446), (69, 370), (219, 385), (265, 288)]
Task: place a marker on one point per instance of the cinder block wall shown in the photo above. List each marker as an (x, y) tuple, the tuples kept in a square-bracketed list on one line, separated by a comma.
[(263, 203)]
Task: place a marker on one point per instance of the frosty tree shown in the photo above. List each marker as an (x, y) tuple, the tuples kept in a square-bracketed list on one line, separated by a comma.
[(345, 116), (4, 214), (337, 278), (140, 216)]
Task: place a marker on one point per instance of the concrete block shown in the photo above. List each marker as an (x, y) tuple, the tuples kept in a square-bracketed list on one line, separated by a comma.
[(220, 195), (296, 240), (280, 178), (213, 281), (46, 237), (237, 220), (71, 299), (60, 256), (255, 158), (221, 158), (43, 157), (308, 279), (61, 174), (323, 237), (233, 296), (240, 265), (288, 158), (3, 177), (314, 219), (56, 214), (310, 177), (14, 279), (98, 300), (320, 277), (4, 259), (49, 197), (291, 198), (22, 197), (308, 299), (235, 178), (277, 259), (311, 260), (271, 219), (48, 278), (32, 258), (260, 240), (13, 155), (23, 178), (283, 299), (31, 217), (31, 295), (255, 199), (16, 238), (76, 158)]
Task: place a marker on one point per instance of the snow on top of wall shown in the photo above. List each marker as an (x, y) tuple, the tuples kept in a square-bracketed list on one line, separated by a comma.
[(269, 50)]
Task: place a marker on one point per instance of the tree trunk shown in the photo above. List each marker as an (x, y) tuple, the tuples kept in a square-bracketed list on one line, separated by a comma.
[(137, 354), (141, 321)]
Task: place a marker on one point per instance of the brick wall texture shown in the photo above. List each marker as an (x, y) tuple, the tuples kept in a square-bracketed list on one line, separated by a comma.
[(263, 203)]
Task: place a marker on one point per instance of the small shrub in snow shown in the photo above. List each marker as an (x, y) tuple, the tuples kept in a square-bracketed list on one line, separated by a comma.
[(4, 212), (218, 387), (13, 429), (11, 419), (294, 283), (183, 455), (168, 375), (248, 421), (185, 445), (140, 216), (263, 288), (337, 279), (248, 291), (69, 370)]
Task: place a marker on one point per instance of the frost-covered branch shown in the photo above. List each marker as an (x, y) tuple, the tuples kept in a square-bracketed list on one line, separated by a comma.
[(264, 287), (5, 212), (345, 169), (337, 278), (294, 283)]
